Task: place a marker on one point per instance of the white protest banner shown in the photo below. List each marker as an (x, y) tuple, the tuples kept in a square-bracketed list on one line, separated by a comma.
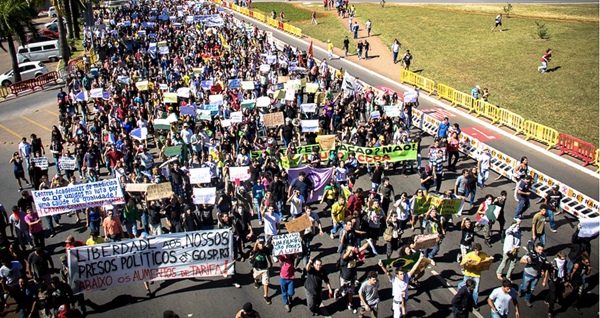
[(263, 101), (226, 123), (168, 256), (236, 117), (67, 163), (205, 195), (216, 99), (589, 227), (199, 175), (311, 125), (203, 115), (240, 173), (247, 85), (77, 197), (410, 97), (96, 93), (375, 114), (290, 94), (348, 83), (265, 68), (308, 108), (183, 92), (142, 85), (40, 162), (286, 244), (392, 111)]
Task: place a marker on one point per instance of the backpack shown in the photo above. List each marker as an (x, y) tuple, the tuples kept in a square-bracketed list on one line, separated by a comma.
[(407, 58)]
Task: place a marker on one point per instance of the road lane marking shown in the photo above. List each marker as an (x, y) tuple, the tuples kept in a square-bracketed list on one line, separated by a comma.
[(11, 131), (33, 122), (453, 291), (51, 112)]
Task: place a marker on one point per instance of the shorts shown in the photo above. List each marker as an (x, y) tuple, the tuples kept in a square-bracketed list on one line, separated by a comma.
[(498, 23), (346, 286), (19, 174), (262, 275)]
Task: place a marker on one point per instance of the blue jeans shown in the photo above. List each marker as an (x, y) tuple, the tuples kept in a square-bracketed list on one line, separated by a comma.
[(336, 226), (475, 291), (551, 219), (280, 208), (432, 252), (522, 206), (482, 177), (395, 57), (374, 186), (496, 315), (471, 195), (257, 207), (287, 289), (528, 285), (542, 239)]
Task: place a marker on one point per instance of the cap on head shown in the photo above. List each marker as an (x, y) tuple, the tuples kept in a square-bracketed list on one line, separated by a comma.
[(247, 307)]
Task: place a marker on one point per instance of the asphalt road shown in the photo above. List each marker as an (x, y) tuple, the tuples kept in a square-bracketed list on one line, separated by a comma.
[(217, 298)]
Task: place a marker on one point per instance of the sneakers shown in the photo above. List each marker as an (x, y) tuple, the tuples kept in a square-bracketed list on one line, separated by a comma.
[(287, 308), (529, 304), (331, 235), (553, 230), (487, 242), (236, 285), (256, 285), (353, 310), (267, 299), (520, 293)]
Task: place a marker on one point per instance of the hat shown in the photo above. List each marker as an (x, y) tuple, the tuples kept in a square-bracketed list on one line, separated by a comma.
[(477, 86), (247, 307), (261, 239), (328, 41), (555, 187), (288, 120), (381, 137), (70, 239)]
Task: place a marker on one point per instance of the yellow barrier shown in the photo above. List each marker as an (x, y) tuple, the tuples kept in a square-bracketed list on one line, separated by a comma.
[(464, 100), (489, 111), (296, 31), (545, 134), (408, 77), (597, 160), (425, 84), (511, 120), (445, 92), (4, 91), (272, 22), (244, 11), (260, 17)]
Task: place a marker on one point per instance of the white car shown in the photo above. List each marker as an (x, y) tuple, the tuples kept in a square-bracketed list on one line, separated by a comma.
[(28, 70), (54, 22), (52, 12)]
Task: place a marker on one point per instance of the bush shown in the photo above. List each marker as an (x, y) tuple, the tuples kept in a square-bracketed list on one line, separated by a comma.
[(541, 32), (507, 10)]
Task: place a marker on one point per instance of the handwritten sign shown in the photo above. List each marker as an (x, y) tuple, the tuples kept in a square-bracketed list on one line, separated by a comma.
[(327, 142), (236, 117), (273, 119), (40, 162), (392, 111), (77, 197), (424, 241), (309, 108), (203, 115), (168, 256), (299, 224), (205, 195), (159, 191), (136, 187), (239, 173), (199, 175), (286, 244), (67, 163), (310, 125)]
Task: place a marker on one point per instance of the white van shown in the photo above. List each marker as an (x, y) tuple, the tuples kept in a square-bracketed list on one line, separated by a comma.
[(40, 51)]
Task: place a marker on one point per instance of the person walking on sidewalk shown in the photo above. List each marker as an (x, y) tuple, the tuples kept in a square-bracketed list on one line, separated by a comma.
[(368, 26), (500, 299), (395, 49), (407, 59), (498, 22), (355, 28), (366, 47), (359, 48), (313, 18), (545, 60), (346, 45), (510, 250)]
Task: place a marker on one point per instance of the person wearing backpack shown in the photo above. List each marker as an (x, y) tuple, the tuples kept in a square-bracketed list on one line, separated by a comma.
[(407, 59), (557, 279)]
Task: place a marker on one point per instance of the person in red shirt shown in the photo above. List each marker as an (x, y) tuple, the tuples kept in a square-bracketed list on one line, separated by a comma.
[(545, 59), (286, 279), (71, 242)]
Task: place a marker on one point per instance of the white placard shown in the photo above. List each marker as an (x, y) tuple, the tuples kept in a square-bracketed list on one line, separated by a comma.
[(169, 256), (96, 93), (205, 195), (241, 173), (286, 244), (290, 94), (263, 101), (226, 123), (199, 175), (375, 114), (40, 162), (311, 125), (183, 92), (589, 227), (216, 99), (392, 111), (67, 163), (410, 97), (265, 68), (78, 197), (236, 117), (309, 108)]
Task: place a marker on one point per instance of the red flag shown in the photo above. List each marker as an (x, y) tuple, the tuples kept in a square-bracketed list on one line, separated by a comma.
[(310, 50)]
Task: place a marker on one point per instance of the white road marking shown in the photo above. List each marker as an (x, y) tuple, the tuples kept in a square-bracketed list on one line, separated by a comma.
[(481, 132)]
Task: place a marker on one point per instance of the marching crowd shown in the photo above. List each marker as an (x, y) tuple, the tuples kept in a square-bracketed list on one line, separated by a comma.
[(206, 57)]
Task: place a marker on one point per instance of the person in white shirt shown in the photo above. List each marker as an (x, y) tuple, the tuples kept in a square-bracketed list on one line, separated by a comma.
[(271, 221), (483, 166), (500, 298), (296, 200), (395, 49), (512, 244), (400, 286)]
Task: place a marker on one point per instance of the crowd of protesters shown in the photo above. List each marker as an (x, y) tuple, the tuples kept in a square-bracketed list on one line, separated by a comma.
[(205, 56)]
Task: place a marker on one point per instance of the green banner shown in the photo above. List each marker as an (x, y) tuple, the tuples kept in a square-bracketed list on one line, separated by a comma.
[(292, 161), (392, 153), (444, 206)]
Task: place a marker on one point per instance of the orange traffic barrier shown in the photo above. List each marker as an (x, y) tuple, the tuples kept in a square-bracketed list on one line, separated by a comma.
[(510, 120), (577, 148), (445, 92), (545, 134)]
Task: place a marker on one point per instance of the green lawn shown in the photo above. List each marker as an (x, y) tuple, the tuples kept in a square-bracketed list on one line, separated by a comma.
[(298, 15), (453, 45)]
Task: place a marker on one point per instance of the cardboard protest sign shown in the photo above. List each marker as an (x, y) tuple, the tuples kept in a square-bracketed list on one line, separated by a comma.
[(273, 119), (77, 197), (310, 125), (424, 241), (142, 86), (67, 163), (199, 175), (136, 187), (311, 87), (299, 224), (168, 256), (159, 191), (247, 85), (320, 97), (286, 244), (205, 195), (327, 142), (308, 108), (392, 111), (40, 162), (170, 98), (239, 173)]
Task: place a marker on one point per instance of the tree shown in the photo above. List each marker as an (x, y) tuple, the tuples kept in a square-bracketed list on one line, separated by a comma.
[(16, 20), (65, 50)]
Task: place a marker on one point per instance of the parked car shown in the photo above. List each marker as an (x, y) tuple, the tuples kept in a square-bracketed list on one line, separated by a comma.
[(52, 12), (50, 34), (39, 38), (28, 70), (54, 22), (40, 51)]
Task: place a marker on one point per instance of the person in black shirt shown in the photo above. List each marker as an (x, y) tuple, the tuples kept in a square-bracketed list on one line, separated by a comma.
[(190, 220), (277, 189), (206, 216), (287, 132), (173, 211), (260, 259), (177, 180), (313, 286), (37, 145), (377, 176), (155, 214), (26, 297), (552, 200), (59, 294), (25, 201), (303, 184)]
